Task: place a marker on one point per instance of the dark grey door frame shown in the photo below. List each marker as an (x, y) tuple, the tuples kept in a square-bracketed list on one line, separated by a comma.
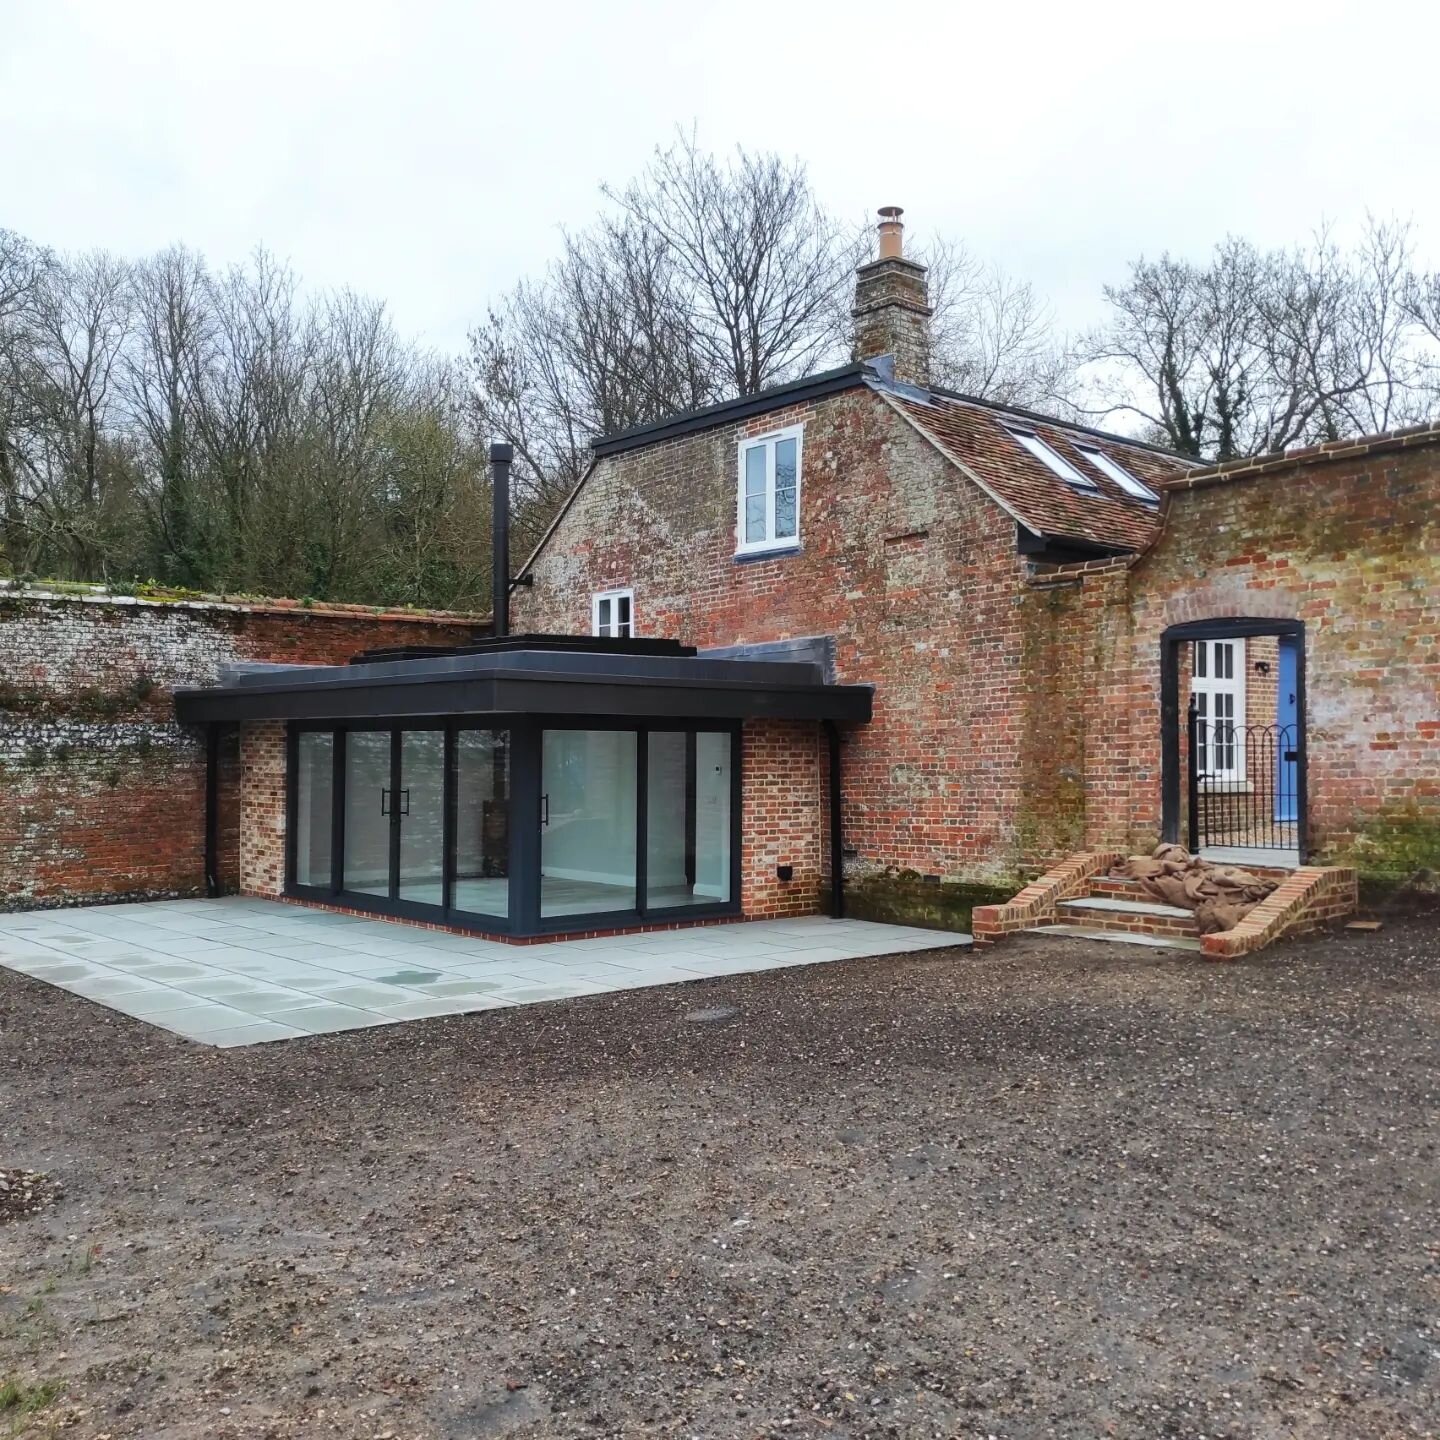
[(1233, 628)]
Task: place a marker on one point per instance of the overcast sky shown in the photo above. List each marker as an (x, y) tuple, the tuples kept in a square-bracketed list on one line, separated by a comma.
[(428, 152)]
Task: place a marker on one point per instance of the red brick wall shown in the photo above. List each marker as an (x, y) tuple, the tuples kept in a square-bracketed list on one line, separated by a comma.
[(101, 792), (1349, 546), (911, 568), (784, 819)]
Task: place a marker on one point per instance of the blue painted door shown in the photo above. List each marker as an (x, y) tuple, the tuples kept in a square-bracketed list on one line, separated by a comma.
[(1287, 733)]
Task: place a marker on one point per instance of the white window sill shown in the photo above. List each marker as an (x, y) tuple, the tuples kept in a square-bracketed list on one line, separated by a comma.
[(1226, 787), (768, 552)]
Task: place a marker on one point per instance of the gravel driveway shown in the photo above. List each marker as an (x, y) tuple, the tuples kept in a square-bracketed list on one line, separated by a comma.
[(1061, 1189)]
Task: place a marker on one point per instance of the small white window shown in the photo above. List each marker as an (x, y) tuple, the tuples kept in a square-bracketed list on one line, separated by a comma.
[(1119, 474), (1053, 461), (612, 614), (1217, 682), (769, 493)]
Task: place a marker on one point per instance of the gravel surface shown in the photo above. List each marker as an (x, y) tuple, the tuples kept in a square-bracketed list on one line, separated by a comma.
[(1059, 1189)]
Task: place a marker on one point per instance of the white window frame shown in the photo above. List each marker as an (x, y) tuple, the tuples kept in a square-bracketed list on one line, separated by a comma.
[(769, 440), (611, 628), (1210, 686), (1051, 459), (1129, 483)]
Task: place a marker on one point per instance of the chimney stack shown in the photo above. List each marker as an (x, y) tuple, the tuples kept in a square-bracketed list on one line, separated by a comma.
[(892, 305)]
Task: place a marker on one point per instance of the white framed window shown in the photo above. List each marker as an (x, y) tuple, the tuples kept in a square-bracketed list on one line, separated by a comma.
[(1052, 460), (1119, 474), (1217, 683), (769, 492), (612, 613)]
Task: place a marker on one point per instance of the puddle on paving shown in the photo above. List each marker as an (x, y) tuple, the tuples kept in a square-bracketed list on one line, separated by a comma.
[(408, 977)]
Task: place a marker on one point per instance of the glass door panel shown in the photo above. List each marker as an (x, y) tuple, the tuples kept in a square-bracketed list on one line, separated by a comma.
[(588, 815), (314, 781), (687, 844), (420, 816), (367, 812), (482, 822)]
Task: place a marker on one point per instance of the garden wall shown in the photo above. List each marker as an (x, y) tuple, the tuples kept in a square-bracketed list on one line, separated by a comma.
[(102, 793)]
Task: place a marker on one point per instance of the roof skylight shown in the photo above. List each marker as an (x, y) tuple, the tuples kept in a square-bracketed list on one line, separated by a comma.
[(1051, 460), (1119, 474)]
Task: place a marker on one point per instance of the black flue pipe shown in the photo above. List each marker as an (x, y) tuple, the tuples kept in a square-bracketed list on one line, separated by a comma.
[(500, 458)]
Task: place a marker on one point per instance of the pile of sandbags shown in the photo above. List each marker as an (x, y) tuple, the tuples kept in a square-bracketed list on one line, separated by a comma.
[(1220, 895)]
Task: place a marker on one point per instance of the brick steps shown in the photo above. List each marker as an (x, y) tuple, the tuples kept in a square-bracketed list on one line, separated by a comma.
[(1079, 899), (1115, 937), (1133, 917)]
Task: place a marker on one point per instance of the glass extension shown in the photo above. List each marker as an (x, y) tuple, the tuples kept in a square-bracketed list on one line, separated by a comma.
[(533, 827)]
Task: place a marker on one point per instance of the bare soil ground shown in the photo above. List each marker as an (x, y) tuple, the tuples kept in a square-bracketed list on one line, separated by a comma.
[(1060, 1189)]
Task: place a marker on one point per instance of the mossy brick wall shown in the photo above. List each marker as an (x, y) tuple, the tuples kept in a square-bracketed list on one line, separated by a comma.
[(101, 792), (1348, 544), (912, 569)]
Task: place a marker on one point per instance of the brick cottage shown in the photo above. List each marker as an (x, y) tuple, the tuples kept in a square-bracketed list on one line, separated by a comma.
[(1036, 604), (856, 641)]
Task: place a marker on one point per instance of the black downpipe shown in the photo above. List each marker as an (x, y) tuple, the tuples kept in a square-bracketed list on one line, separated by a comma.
[(500, 458), (212, 809), (837, 825)]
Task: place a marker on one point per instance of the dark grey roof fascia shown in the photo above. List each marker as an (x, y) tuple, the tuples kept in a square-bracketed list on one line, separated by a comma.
[(810, 649), (569, 664), (531, 694), (794, 392), (534, 682)]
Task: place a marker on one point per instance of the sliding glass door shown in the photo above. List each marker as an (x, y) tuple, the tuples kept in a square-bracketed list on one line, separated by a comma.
[(369, 793), (532, 827), (588, 822), (688, 850), (419, 815), (482, 823)]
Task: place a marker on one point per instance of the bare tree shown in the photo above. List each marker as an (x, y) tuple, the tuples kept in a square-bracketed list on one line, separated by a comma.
[(1258, 351), (63, 471), (991, 336), (759, 257)]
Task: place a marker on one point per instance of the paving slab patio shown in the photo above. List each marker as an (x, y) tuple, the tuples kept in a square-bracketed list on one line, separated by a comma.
[(242, 971)]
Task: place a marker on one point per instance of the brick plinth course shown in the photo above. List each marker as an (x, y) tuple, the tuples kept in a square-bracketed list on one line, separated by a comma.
[(103, 793)]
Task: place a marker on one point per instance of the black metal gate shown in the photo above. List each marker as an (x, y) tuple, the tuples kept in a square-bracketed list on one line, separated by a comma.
[(1246, 788)]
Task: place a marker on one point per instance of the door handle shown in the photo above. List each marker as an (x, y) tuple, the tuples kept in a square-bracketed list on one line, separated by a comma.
[(545, 809), (384, 804), (405, 802)]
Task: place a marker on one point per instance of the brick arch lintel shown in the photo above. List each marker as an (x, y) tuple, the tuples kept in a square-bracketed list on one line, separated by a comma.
[(1229, 599)]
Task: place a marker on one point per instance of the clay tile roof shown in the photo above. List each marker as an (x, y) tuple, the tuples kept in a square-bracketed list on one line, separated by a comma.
[(975, 436)]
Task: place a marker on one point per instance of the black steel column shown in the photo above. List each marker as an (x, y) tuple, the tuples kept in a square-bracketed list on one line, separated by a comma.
[(837, 825), (500, 458), (212, 809)]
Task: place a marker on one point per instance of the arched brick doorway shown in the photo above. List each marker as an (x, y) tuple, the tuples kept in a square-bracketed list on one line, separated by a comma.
[(1238, 685)]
